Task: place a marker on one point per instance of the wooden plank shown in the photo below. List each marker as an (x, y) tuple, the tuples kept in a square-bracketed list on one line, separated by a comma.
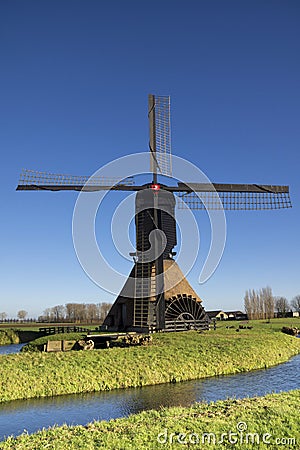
[(54, 346), (68, 345)]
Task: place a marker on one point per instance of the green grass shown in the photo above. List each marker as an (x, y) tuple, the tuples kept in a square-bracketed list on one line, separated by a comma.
[(172, 357), (30, 332), (271, 417), (36, 345), (8, 337), (264, 325)]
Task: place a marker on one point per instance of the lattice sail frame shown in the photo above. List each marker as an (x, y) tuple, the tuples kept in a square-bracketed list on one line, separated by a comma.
[(162, 135), (234, 200), (32, 177)]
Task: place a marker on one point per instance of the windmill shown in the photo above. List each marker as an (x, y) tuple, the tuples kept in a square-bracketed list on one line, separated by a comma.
[(156, 295)]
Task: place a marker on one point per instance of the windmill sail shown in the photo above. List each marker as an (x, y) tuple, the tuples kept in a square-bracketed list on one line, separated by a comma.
[(33, 180), (160, 135), (233, 196)]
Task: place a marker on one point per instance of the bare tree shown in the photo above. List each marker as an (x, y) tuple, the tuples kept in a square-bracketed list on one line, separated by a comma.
[(248, 304), (259, 304), (80, 312), (22, 314), (71, 312), (295, 303), (267, 300), (255, 303), (251, 304), (91, 312), (103, 310), (77, 312), (48, 315), (3, 316), (58, 312), (282, 305)]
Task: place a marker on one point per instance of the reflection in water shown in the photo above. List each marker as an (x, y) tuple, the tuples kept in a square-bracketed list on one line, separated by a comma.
[(34, 414)]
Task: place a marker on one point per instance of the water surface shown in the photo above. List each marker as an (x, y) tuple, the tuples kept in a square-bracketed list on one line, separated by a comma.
[(12, 348)]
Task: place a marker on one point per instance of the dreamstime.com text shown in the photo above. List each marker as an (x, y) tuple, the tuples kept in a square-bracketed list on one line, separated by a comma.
[(240, 436)]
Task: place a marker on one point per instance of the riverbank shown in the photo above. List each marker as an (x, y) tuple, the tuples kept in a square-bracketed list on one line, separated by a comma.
[(261, 422), (173, 357), (8, 337), (37, 344)]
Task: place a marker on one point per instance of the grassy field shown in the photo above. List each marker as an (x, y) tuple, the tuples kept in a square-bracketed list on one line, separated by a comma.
[(172, 357), (255, 423)]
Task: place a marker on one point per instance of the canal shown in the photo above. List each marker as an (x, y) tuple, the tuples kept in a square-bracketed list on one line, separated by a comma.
[(34, 414)]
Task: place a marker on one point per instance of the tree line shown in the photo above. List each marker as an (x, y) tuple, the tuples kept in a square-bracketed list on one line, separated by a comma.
[(70, 312), (261, 304), (21, 315), (258, 304), (76, 312)]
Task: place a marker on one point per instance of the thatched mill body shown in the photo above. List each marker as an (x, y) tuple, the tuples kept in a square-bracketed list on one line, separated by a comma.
[(175, 306)]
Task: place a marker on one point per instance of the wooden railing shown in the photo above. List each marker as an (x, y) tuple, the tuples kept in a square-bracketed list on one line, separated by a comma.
[(57, 330), (184, 325)]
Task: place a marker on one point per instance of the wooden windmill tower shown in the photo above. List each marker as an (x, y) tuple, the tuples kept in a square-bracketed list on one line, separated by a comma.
[(160, 297)]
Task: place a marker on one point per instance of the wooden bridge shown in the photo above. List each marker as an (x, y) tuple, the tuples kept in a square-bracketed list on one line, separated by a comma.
[(66, 329)]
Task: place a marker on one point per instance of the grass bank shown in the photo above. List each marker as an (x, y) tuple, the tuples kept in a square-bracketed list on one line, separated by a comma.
[(8, 337), (172, 357), (263, 422), (37, 344)]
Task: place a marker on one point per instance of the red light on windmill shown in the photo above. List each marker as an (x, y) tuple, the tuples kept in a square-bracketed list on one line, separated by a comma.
[(155, 187)]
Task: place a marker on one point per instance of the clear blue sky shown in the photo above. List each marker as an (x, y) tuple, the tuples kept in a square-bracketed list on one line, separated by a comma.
[(74, 82)]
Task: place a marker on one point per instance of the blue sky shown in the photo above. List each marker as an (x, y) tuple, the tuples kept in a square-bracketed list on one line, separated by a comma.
[(74, 83)]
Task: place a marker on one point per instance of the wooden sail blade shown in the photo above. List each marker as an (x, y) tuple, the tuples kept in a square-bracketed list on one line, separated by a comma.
[(223, 187), (31, 180)]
